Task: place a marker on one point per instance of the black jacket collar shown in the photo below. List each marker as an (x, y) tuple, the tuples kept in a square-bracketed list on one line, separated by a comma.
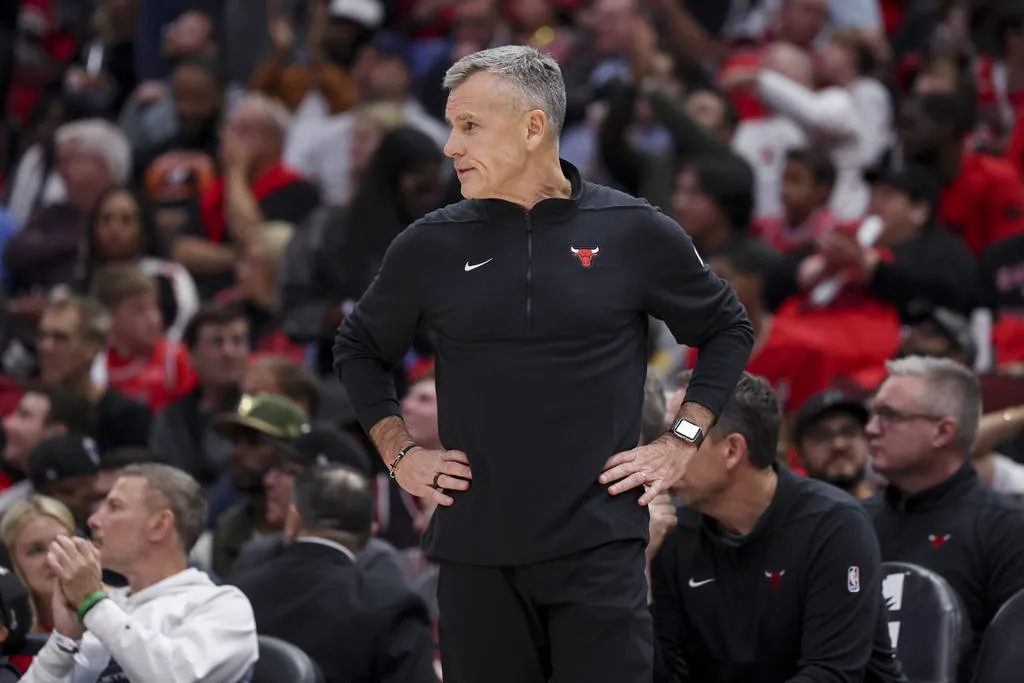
[(551, 209), (945, 494)]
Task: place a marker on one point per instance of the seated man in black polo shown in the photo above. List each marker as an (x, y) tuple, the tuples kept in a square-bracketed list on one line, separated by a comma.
[(935, 512), (769, 577)]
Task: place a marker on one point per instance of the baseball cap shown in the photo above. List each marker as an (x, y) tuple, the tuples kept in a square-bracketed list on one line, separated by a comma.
[(323, 443), (826, 402), (918, 183), (62, 457), (955, 327), (16, 610), (368, 13), (275, 416)]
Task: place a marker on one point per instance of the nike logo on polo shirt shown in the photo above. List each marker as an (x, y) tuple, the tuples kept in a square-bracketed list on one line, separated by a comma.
[(477, 265), (698, 584)]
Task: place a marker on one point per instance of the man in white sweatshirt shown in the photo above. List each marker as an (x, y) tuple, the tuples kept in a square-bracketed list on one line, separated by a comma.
[(171, 624)]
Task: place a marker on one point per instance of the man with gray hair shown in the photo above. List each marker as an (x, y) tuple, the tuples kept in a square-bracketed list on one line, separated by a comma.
[(935, 512), (171, 623), (93, 155), (536, 291), (255, 188)]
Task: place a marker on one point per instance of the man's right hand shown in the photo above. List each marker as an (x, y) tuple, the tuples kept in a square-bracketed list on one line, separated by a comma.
[(65, 618), (421, 470)]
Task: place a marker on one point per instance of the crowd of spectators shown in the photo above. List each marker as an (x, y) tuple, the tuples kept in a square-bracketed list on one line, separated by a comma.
[(195, 194)]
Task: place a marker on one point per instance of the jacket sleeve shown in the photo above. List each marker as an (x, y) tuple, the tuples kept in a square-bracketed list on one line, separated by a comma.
[(913, 277), (216, 644), (50, 666), (378, 332), (825, 113), (406, 648), (841, 601), (1005, 559), (700, 309)]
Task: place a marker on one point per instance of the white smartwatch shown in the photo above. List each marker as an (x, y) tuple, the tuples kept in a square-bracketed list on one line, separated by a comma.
[(688, 432)]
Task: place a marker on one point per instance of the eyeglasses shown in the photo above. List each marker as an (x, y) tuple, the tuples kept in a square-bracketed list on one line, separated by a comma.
[(887, 416)]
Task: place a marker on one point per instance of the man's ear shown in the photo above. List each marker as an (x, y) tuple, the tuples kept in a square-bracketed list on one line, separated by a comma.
[(4, 634), (537, 125)]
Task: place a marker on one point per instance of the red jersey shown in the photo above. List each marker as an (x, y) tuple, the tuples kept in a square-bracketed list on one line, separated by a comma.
[(985, 203), (998, 98), (162, 378), (784, 238), (792, 359)]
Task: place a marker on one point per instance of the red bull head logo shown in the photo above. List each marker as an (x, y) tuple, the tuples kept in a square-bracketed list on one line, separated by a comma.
[(585, 255)]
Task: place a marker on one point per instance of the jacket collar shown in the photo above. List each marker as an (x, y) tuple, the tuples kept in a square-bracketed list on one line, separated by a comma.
[(943, 495), (551, 209), (314, 545)]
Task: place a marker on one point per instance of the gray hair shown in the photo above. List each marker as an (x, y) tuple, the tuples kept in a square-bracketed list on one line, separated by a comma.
[(181, 494), (277, 115), (951, 390), (533, 75), (104, 139)]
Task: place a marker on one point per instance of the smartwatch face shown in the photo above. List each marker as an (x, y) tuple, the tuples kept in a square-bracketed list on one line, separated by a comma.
[(687, 430)]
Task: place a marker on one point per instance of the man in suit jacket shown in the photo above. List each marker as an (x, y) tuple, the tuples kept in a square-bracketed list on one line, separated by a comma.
[(358, 626)]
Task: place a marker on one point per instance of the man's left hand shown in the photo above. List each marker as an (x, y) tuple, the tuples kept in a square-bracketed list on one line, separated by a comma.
[(77, 562), (655, 466)]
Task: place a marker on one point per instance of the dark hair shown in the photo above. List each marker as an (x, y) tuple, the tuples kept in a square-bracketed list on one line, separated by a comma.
[(67, 408), (335, 500), (823, 170), (375, 217), (294, 381), (212, 315), (730, 116), (753, 412), (147, 231), (119, 458), (729, 181)]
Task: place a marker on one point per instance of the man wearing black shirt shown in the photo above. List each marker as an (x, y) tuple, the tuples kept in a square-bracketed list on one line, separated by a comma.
[(769, 577), (935, 512), (536, 293)]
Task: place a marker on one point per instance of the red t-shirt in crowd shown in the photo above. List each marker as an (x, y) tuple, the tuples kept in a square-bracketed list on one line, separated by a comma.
[(162, 378), (784, 238), (793, 360), (985, 203)]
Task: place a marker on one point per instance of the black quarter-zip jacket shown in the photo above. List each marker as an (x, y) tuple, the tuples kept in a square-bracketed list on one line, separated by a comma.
[(965, 532), (539, 324), (797, 600)]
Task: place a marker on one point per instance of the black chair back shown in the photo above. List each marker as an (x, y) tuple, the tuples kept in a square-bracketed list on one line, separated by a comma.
[(928, 624), (282, 662), (1001, 657)]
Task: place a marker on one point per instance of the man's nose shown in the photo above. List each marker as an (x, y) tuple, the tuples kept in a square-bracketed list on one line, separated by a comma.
[(451, 148)]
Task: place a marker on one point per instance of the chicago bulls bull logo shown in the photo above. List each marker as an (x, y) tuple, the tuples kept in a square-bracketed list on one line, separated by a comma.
[(585, 255), (775, 578), (937, 541)]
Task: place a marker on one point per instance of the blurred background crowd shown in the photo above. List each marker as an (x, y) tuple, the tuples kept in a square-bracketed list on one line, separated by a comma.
[(195, 194)]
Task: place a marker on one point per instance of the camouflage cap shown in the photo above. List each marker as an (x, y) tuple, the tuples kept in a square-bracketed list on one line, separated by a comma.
[(276, 416)]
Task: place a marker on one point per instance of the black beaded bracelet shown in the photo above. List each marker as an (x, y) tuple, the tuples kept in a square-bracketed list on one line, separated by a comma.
[(398, 458)]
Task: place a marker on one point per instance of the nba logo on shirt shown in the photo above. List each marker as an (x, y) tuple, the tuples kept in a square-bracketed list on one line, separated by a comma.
[(853, 579)]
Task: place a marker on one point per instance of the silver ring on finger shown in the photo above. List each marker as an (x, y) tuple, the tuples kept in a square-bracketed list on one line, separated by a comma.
[(437, 481)]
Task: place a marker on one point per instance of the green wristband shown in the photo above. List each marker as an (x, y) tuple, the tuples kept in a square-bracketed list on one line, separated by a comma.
[(90, 601)]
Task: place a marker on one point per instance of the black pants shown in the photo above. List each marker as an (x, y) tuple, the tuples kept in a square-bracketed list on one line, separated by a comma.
[(576, 619)]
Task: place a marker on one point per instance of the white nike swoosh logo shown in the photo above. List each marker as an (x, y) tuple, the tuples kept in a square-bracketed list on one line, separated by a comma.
[(698, 584), (475, 266)]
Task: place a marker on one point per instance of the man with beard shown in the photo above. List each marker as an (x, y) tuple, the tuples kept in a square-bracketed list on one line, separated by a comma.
[(175, 172), (261, 432), (981, 200), (829, 438)]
